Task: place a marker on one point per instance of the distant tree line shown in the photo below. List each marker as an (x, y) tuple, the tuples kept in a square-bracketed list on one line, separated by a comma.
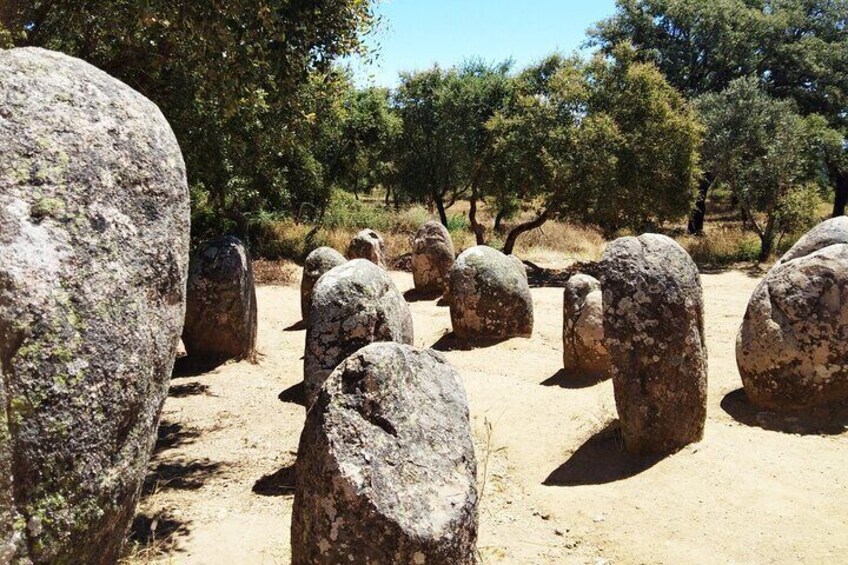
[(680, 97)]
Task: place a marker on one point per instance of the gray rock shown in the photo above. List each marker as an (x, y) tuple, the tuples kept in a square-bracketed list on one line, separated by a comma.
[(317, 263), (489, 296), (792, 348), (94, 227), (368, 244), (830, 232), (353, 305), (584, 353), (654, 331), (432, 258), (385, 468), (220, 319)]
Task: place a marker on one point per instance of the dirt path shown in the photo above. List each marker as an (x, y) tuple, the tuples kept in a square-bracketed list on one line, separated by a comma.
[(558, 488)]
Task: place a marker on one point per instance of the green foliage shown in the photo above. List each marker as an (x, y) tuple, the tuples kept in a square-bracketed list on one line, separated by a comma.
[(441, 152), (346, 212), (609, 143), (768, 155), (798, 49), (245, 85)]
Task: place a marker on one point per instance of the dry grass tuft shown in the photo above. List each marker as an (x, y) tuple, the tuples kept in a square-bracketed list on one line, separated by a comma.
[(280, 273)]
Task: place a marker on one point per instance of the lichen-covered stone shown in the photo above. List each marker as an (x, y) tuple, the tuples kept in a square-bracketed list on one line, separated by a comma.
[(369, 245), (385, 468), (830, 232), (792, 348), (654, 332), (584, 353), (353, 305), (489, 296), (220, 319), (317, 263), (94, 227), (432, 258)]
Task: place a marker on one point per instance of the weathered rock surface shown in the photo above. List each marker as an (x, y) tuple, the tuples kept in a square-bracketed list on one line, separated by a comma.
[(369, 245), (220, 319), (792, 348), (94, 227), (654, 331), (830, 232), (584, 353), (385, 468), (489, 296), (353, 305), (317, 263), (432, 258)]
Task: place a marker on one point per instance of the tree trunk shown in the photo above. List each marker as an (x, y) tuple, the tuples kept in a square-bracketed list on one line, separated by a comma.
[(439, 200), (511, 238), (696, 219), (499, 219), (476, 227), (767, 239), (388, 196), (841, 197)]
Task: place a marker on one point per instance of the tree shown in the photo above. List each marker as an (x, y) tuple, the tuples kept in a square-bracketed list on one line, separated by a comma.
[(609, 143), (359, 143), (238, 81), (772, 158), (442, 150), (798, 49)]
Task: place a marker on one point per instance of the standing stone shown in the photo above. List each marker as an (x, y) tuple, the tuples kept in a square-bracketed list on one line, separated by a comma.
[(368, 244), (793, 344), (654, 331), (489, 296), (353, 305), (432, 258), (94, 228), (584, 352), (220, 319), (317, 263), (385, 468)]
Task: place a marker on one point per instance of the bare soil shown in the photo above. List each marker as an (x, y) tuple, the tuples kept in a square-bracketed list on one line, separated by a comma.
[(556, 486)]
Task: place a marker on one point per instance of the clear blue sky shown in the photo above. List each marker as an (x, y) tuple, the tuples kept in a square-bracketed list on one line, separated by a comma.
[(415, 34)]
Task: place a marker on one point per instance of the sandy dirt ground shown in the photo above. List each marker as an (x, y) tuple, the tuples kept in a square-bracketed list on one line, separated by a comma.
[(556, 484)]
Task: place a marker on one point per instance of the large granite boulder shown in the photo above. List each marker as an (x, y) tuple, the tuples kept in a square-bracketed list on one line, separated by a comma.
[(792, 348), (369, 245), (654, 331), (94, 228), (432, 258), (220, 319), (353, 305), (385, 468), (489, 296), (830, 232), (584, 353), (317, 263)]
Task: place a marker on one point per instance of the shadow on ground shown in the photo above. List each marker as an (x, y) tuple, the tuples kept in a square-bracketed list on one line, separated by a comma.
[(296, 327), (189, 389), (295, 394), (178, 474), (414, 295), (154, 535), (564, 379), (186, 366), (825, 421), (450, 342), (278, 483), (602, 459), (173, 434)]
